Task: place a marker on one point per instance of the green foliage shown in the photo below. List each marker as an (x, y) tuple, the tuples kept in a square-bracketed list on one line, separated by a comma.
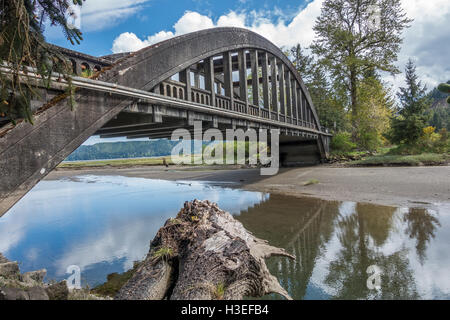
[(399, 160), (445, 88), (219, 291), (163, 253), (209, 152), (22, 46), (302, 62), (115, 163), (86, 73), (341, 142), (349, 44), (429, 142), (310, 182), (326, 100), (115, 281), (375, 105), (439, 117), (439, 112), (407, 127)]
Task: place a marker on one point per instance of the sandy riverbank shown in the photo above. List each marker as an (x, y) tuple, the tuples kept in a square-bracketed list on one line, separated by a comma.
[(397, 186)]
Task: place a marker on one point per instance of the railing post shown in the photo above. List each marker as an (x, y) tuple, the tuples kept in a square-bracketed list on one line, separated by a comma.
[(305, 102), (209, 79), (300, 105), (282, 107), (308, 113), (288, 94), (185, 77), (242, 61), (294, 100)]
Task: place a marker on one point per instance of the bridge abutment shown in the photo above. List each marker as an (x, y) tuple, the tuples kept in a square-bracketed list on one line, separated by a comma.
[(297, 151)]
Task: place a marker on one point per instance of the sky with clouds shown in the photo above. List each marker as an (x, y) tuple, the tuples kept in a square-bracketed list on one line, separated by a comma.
[(112, 26)]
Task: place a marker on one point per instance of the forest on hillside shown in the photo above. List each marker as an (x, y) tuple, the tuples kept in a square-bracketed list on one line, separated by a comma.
[(125, 149)]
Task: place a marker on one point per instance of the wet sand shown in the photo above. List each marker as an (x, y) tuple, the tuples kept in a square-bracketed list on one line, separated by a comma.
[(395, 186)]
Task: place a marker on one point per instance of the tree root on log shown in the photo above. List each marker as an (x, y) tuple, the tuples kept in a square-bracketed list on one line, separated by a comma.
[(204, 253)]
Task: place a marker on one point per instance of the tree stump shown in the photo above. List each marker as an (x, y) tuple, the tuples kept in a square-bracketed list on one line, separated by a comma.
[(205, 254)]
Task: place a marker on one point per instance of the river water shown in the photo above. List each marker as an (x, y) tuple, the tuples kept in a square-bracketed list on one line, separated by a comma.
[(104, 223)]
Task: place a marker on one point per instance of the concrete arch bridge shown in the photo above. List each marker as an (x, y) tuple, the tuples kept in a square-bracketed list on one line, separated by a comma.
[(223, 77)]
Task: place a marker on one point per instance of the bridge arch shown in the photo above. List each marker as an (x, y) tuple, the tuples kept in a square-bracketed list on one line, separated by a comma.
[(148, 67)]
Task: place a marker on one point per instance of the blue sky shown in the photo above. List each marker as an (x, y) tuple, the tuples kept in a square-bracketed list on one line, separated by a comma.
[(127, 25), (111, 26), (103, 24)]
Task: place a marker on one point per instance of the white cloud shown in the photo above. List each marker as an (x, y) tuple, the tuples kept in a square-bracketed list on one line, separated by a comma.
[(426, 41), (281, 33), (100, 14), (192, 21)]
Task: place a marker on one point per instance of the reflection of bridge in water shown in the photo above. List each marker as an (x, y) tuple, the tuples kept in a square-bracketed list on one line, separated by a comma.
[(301, 227), (227, 78)]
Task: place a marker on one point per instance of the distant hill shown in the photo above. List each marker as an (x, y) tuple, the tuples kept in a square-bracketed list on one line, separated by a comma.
[(120, 150), (439, 111), (436, 95)]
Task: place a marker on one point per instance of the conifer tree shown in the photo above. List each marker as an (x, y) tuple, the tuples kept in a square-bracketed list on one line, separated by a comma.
[(23, 46), (407, 127)]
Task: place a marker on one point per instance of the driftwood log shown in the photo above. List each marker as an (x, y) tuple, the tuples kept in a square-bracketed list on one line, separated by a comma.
[(204, 253)]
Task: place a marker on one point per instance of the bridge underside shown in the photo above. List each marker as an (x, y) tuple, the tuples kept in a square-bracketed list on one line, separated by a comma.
[(226, 78), (139, 121)]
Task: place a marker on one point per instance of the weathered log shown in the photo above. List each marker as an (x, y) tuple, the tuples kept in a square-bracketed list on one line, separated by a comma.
[(204, 253)]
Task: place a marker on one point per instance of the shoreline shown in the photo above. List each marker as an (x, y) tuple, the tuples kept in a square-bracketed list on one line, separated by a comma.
[(391, 186)]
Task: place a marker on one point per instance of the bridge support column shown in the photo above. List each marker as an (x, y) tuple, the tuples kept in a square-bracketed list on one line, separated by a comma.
[(274, 82), (242, 61), (185, 77), (282, 99), (301, 115), (209, 79), (287, 77), (228, 76), (255, 79), (265, 80), (294, 101)]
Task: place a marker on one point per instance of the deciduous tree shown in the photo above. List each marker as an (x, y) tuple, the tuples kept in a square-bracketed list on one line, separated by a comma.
[(353, 36)]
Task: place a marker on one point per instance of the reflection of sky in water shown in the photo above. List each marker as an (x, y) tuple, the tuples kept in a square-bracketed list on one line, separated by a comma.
[(100, 223), (104, 223)]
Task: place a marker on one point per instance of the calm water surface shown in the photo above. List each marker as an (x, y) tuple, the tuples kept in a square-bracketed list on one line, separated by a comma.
[(104, 223)]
